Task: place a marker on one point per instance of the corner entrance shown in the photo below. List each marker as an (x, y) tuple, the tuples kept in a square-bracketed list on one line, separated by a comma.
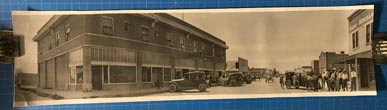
[(96, 80)]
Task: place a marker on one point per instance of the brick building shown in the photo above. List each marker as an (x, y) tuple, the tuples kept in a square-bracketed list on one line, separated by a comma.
[(122, 51), (316, 68), (326, 60)]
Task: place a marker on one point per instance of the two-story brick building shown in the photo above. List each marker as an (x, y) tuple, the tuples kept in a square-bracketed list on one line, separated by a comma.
[(360, 48), (327, 60), (122, 51)]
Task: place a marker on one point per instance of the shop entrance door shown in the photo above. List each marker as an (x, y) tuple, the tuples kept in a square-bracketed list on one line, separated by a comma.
[(363, 73), (96, 77)]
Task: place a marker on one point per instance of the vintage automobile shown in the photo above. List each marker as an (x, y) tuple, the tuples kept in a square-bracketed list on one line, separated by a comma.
[(235, 79), (269, 78), (289, 82), (297, 80), (191, 80), (248, 78)]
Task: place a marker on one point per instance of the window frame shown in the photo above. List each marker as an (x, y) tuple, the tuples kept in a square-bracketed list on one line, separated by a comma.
[(195, 46), (67, 32), (146, 39), (156, 33), (73, 68), (109, 75), (213, 50), (169, 38), (182, 43), (170, 73), (57, 38), (355, 40), (127, 26), (142, 72), (368, 34), (112, 26)]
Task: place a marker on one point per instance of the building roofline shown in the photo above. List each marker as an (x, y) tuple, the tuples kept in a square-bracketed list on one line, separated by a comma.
[(53, 20), (354, 14), (210, 37), (190, 25)]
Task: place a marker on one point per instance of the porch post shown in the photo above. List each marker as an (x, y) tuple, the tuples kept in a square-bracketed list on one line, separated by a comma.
[(358, 74), (87, 75), (139, 69)]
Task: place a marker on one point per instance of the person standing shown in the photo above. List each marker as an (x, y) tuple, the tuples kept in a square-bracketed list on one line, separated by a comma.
[(158, 83), (332, 80), (344, 77), (339, 79), (324, 75), (281, 80), (353, 80)]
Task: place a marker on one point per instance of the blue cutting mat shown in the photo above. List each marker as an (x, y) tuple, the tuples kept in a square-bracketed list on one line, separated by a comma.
[(311, 103)]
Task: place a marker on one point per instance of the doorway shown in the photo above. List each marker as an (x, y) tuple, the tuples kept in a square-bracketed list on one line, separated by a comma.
[(96, 77)]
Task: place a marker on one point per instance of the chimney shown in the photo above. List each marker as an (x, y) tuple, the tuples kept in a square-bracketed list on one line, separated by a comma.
[(342, 52)]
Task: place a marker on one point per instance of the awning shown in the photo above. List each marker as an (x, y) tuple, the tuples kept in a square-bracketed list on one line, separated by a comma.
[(366, 54)]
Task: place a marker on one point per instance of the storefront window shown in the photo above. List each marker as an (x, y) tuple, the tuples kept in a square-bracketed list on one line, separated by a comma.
[(157, 73), (79, 74), (122, 74), (178, 73), (105, 74), (146, 74), (72, 76), (167, 74)]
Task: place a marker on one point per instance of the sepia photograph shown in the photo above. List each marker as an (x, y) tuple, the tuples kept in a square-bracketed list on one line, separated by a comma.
[(76, 57)]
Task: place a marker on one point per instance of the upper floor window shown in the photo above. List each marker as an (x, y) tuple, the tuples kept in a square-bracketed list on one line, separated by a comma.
[(169, 39), (213, 50), (355, 39), (51, 39), (67, 32), (195, 46), (182, 43), (368, 33), (145, 33), (204, 48), (40, 47), (126, 26), (222, 54), (57, 37), (107, 25), (156, 34)]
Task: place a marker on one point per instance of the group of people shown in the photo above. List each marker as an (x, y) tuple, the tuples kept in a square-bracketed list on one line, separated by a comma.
[(339, 79)]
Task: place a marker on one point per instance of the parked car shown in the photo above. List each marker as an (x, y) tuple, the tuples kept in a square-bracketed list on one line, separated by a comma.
[(235, 79), (191, 80), (248, 79), (290, 80)]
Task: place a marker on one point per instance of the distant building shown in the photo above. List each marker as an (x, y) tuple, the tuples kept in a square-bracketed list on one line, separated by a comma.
[(123, 51), (303, 69), (258, 71), (315, 66), (360, 54), (326, 59), (241, 65)]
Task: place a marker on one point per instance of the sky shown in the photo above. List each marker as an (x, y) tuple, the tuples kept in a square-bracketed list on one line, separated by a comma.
[(28, 26), (281, 40)]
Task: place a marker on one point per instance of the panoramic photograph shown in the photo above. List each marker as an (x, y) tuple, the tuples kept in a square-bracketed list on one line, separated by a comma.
[(121, 56)]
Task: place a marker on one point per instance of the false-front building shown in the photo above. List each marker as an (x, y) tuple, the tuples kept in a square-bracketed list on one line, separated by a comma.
[(360, 48), (123, 51)]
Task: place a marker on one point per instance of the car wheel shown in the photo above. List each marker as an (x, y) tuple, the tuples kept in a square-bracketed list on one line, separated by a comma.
[(202, 87), (172, 88)]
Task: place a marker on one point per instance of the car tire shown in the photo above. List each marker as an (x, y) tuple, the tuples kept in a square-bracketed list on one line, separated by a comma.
[(173, 88), (202, 87)]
